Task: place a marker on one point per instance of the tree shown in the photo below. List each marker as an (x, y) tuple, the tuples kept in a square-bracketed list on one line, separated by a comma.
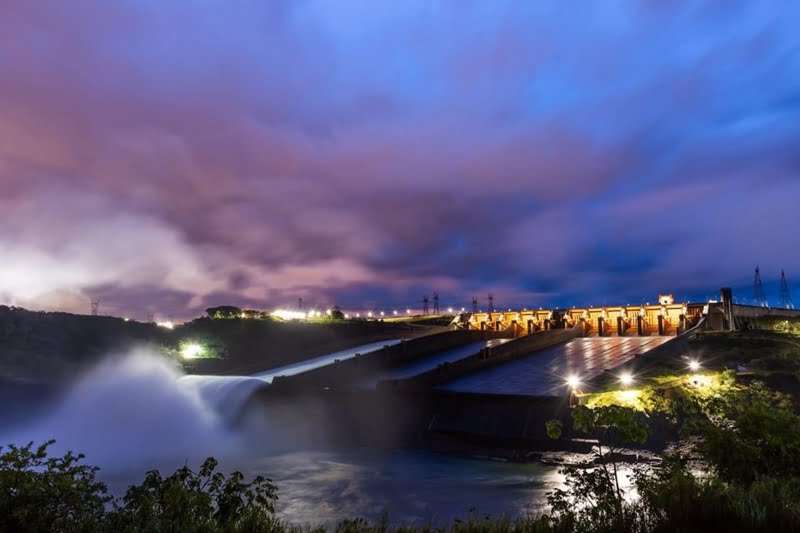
[(41, 493), (224, 311), (592, 496), (203, 501), (748, 434)]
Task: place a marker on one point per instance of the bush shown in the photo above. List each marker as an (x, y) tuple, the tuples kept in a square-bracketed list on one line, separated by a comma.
[(41, 493)]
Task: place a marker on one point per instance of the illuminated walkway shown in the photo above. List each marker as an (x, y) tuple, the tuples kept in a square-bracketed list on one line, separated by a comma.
[(544, 373)]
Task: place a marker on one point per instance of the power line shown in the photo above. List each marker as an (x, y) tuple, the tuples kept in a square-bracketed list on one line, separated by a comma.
[(435, 303), (491, 302), (474, 305), (425, 305)]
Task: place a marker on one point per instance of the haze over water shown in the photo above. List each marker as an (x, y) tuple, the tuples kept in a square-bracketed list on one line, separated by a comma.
[(137, 411)]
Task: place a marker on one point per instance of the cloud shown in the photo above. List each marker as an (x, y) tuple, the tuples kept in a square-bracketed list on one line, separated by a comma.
[(350, 153)]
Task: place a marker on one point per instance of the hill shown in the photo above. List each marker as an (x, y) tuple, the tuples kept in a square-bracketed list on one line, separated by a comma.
[(53, 347)]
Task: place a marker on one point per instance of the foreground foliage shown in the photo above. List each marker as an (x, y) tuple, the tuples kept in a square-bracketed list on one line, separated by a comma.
[(41, 493)]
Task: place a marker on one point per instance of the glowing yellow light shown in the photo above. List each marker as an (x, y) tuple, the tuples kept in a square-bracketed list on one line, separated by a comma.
[(191, 351), (168, 324), (369, 314), (626, 378), (126, 319), (327, 311), (629, 395), (381, 313), (346, 316), (358, 315), (694, 366)]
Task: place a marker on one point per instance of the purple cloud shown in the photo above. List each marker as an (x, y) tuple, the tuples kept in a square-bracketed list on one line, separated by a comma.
[(353, 153)]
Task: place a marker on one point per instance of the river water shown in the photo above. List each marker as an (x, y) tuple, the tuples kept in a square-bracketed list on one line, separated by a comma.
[(136, 411)]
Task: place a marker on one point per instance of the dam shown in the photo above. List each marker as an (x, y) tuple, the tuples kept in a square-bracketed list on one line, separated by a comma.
[(493, 378)]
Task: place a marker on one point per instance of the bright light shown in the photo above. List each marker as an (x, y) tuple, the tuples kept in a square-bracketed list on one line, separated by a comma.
[(242, 316), (449, 309), (328, 312), (286, 314), (462, 309), (381, 313), (126, 319), (626, 378), (369, 314), (346, 316), (191, 351), (168, 324), (395, 312), (694, 366), (408, 311), (358, 315), (573, 381)]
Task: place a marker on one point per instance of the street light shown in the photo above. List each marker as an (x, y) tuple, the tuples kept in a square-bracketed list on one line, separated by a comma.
[(694, 366), (626, 378), (573, 382), (191, 350)]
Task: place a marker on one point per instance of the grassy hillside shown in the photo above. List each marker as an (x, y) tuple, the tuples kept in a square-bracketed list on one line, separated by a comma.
[(769, 353), (53, 347)]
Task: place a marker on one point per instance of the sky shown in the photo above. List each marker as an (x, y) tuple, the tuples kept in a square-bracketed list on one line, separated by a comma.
[(164, 157)]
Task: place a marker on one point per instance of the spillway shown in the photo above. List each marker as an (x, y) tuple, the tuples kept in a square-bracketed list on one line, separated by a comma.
[(227, 395), (543, 373), (323, 360), (425, 364)]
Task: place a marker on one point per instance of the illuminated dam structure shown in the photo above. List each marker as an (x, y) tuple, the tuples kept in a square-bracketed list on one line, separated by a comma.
[(665, 318)]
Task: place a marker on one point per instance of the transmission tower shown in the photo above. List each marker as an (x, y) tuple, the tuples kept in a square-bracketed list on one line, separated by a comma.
[(491, 302), (786, 297), (758, 291), (435, 303), (425, 305), (150, 318), (95, 307), (299, 304), (474, 305)]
